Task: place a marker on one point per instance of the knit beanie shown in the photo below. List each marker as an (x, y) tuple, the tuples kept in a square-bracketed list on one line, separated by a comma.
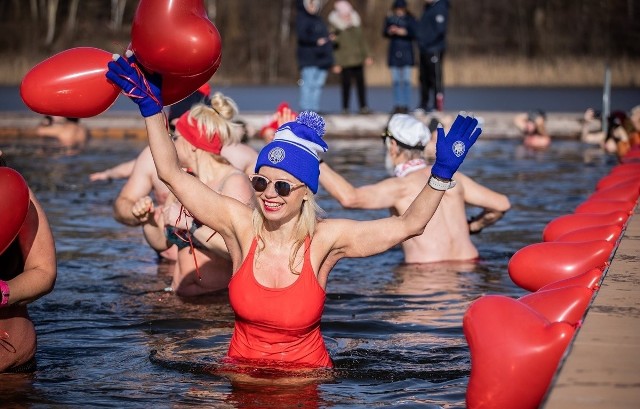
[(295, 148)]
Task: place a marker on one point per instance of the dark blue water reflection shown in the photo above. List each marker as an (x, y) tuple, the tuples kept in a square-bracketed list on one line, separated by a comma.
[(109, 336)]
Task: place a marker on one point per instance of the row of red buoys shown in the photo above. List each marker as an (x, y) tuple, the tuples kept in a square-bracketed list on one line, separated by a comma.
[(186, 51), (516, 344)]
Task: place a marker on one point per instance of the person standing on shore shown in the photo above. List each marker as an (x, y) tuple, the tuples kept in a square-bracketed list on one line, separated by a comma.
[(314, 53), (432, 35), (399, 28), (351, 53)]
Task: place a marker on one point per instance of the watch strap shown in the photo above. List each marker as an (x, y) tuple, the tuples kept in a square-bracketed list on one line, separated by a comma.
[(440, 184)]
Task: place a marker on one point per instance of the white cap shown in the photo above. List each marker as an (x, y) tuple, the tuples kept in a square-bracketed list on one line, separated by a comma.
[(408, 130)]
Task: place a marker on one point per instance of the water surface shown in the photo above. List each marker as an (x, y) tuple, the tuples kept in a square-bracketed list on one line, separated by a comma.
[(108, 336)]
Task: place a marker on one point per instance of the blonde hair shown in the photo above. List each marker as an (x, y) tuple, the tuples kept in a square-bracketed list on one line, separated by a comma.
[(217, 118), (310, 215)]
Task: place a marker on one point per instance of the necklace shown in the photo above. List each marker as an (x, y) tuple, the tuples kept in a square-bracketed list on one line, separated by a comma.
[(405, 168)]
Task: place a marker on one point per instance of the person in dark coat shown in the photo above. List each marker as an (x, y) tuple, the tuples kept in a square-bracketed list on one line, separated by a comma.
[(431, 36), (399, 28), (314, 53)]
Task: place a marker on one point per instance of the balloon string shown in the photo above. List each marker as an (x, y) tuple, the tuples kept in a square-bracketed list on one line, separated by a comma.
[(188, 234)]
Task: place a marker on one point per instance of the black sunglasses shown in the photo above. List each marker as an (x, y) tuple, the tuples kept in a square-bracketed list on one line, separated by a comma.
[(282, 187)]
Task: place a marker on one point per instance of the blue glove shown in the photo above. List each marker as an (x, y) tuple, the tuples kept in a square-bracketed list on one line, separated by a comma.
[(452, 149), (143, 89)]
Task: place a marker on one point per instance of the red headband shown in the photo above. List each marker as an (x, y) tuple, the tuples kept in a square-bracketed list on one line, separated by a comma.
[(188, 129)]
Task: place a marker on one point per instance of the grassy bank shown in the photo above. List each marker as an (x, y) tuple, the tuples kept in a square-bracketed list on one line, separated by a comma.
[(461, 71)]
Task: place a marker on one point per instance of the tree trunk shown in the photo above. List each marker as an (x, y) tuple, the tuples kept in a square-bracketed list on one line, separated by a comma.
[(52, 11), (117, 14), (72, 18)]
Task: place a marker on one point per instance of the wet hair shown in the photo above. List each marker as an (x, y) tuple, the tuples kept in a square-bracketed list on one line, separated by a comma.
[(3, 162), (310, 215), (74, 120), (534, 114)]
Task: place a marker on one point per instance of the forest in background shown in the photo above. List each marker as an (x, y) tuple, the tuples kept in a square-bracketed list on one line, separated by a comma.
[(490, 42)]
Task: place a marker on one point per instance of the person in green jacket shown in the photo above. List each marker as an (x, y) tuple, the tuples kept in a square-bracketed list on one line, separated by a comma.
[(351, 53)]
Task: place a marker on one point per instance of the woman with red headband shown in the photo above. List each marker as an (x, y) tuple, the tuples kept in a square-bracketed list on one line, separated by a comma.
[(203, 264)]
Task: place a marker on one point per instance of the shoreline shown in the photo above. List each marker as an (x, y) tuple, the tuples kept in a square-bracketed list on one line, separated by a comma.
[(130, 125)]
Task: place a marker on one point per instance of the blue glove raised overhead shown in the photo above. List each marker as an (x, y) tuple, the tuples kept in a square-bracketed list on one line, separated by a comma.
[(143, 89), (452, 149)]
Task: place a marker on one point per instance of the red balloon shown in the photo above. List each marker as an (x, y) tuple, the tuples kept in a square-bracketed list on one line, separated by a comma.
[(72, 83), (515, 351), (566, 304), (615, 179), (605, 206), (590, 279), (176, 88), (622, 191), (608, 232), (570, 222), (626, 168), (539, 264), (175, 37), (631, 156), (14, 205)]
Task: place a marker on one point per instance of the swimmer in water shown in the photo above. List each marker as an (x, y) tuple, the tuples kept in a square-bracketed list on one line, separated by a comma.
[(27, 272), (71, 135), (533, 128), (203, 265), (447, 236), (282, 252)]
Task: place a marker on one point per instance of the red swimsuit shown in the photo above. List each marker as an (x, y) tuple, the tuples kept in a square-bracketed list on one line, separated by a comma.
[(278, 324)]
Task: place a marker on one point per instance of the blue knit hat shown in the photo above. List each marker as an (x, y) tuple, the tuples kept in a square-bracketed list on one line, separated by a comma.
[(294, 149)]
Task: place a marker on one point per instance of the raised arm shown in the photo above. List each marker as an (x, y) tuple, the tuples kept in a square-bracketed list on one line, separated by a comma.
[(381, 195), (361, 239), (225, 215)]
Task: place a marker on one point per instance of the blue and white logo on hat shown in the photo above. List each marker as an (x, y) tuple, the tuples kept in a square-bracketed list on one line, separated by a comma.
[(458, 148), (276, 155)]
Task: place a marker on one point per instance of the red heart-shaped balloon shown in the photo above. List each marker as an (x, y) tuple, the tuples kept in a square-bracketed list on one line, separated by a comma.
[(605, 206), (625, 168), (615, 179), (590, 279), (608, 232), (570, 222), (515, 352), (72, 83), (628, 190), (176, 88), (566, 304), (539, 264), (175, 37), (14, 205)]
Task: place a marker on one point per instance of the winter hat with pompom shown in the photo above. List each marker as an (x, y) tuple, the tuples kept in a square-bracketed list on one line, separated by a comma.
[(295, 148)]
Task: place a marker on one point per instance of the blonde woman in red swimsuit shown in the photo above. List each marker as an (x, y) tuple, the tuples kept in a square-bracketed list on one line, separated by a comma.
[(282, 252)]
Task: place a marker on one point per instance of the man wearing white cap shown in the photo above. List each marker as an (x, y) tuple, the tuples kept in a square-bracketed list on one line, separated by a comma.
[(447, 236)]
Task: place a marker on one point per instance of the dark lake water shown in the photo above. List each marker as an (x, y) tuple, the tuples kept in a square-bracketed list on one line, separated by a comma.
[(108, 336)]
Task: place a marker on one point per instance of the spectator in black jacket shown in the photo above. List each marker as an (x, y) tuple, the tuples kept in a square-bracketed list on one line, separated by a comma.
[(315, 53), (431, 35), (399, 28)]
